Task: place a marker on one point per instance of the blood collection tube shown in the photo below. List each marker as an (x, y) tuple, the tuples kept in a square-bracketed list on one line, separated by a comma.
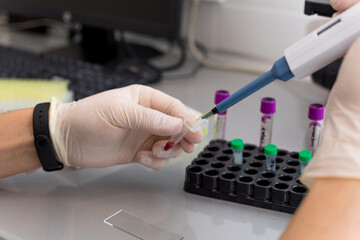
[(188, 126), (304, 157), (267, 109), (178, 137), (237, 145), (270, 151), (220, 118), (316, 115)]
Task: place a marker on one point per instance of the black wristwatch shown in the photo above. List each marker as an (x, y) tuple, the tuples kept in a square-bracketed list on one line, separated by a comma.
[(42, 141)]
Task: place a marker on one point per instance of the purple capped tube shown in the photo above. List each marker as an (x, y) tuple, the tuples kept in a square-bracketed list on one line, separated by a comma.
[(267, 109), (316, 115), (220, 118)]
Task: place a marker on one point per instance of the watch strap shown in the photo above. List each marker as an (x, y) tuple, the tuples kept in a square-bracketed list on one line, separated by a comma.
[(42, 141)]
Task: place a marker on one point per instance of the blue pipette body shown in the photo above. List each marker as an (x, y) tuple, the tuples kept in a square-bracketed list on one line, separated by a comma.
[(280, 70)]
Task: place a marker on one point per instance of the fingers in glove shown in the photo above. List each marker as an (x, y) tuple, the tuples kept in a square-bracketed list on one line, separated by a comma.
[(158, 150), (134, 116), (187, 146), (194, 137), (147, 159), (342, 5), (164, 103)]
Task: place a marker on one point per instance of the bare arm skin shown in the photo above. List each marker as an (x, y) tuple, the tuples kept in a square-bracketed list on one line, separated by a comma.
[(17, 149)]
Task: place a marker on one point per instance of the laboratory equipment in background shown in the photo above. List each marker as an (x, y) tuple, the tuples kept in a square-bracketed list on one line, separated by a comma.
[(99, 21), (267, 109), (270, 151), (311, 53), (85, 78), (220, 118), (315, 115), (98, 48), (304, 158), (237, 146)]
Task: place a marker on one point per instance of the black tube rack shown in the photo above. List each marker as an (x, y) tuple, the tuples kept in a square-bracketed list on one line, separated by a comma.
[(213, 174)]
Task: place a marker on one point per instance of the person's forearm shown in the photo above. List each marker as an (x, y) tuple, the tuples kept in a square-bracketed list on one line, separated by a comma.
[(17, 149), (330, 211)]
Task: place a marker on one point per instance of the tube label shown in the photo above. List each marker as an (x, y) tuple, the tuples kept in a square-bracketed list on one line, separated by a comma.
[(219, 127), (314, 136), (265, 130)]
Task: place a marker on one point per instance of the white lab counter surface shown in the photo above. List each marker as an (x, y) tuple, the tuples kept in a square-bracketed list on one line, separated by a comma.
[(72, 204)]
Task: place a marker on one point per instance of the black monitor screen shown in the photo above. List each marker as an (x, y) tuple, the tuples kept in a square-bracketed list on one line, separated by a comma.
[(157, 17)]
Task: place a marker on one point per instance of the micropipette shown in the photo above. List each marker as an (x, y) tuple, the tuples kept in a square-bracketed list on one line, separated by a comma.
[(314, 51)]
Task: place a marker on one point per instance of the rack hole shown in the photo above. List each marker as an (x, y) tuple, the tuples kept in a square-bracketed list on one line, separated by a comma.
[(268, 174), (201, 162), (228, 176), (213, 149), (251, 171), (285, 178), (223, 158), (207, 155), (281, 152), (281, 186), (293, 162), (221, 141), (234, 168), (260, 157), (217, 165), (245, 179), (195, 169), (299, 189), (212, 172), (263, 182), (294, 155), (289, 170), (256, 164), (227, 151), (249, 147), (246, 154), (279, 160)]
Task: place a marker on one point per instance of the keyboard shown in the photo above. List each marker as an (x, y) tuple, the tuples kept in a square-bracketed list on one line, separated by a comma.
[(85, 78)]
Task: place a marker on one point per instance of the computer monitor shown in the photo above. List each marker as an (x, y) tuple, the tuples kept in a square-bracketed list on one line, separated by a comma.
[(160, 18)]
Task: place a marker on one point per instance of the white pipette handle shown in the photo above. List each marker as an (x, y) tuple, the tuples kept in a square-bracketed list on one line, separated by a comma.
[(325, 44)]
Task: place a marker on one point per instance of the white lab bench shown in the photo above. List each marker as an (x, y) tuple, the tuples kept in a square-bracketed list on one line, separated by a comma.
[(72, 204)]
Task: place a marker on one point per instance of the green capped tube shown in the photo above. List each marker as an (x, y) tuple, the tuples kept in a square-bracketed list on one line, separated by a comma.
[(237, 145)]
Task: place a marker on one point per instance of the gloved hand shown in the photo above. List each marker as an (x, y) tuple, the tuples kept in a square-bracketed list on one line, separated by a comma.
[(342, 5), (338, 154), (125, 125)]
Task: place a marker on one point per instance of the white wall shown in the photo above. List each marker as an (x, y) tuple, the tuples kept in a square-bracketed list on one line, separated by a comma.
[(259, 28)]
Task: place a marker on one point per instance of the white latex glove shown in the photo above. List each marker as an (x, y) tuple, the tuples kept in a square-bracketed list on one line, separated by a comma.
[(342, 5), (338, 154), (119, 126)]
